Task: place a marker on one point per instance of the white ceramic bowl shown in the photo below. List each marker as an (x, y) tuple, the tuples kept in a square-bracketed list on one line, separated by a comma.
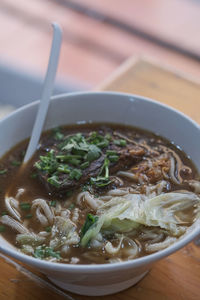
[(103, 107)]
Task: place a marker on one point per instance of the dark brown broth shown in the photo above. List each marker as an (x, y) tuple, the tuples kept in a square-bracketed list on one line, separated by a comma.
[(16, 178)]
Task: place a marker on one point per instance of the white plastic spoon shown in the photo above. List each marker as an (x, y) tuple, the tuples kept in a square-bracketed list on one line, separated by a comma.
[(46, 93)]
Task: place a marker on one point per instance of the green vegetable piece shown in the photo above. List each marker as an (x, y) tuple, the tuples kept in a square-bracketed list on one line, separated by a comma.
[(44, 252), (103, 143), (71, 206), (108, 136), (100, 181), (69, 193), (2, 228), (90, 221), (48, 229), (16, 163), (75, 174), (39, 253), (111, 152), (63, 169), (25, 206), (57, 134), (53, 180), (121, 142), (84, 165), (34, 175), (93, 153), (75, 162), (50, 252), (47, 163), (4, 171), (4, 213), (114, 158), (53, 203), (29, 216)]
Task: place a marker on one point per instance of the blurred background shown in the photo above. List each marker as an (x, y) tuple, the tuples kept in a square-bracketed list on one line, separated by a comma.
[(98, 36)]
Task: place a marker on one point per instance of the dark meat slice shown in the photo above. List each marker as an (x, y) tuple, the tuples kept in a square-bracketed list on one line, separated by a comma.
[(128, 156)]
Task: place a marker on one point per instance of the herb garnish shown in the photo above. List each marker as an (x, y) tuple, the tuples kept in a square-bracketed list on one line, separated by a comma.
[(121, 142), (103, 178), (2, 228), (29, 216), (58, 135), (48, 229), (4, 213), (90, 220), (44, 252), (16, 163), (53, 203), (25, 206), (75, 153), (4, 171)]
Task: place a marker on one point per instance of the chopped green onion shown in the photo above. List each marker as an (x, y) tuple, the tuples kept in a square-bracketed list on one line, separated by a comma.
[(53, 180), (57, 134), (111, 152), (108, 136), (93, 153), (44, 252), (16, 163), (103, 144), (47, 163), (68, 157), (100, 181), (53, 203), (4, 213), (84, 165), (75, 174), (29, 216), (113, 158), (69, 194), (121, 142), (25, 206), (74, 161), (71, 206), (2, 228), (89, 222), (4, 171), (34, 175), (63, 169), (48, 229)]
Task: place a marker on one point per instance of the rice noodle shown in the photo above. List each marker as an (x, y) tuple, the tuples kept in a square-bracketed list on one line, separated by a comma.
[(111, 249), (7, 220), (89, 199), (128, 175), (40, 217), (65, 213), (97, 242), (12, 206), (30, 239), (65, 249), (133, 250), (195, 185), (160, 246), (19, 193), (122, 136), (118, 192), (172, 171), (41, 205), (75, 216)]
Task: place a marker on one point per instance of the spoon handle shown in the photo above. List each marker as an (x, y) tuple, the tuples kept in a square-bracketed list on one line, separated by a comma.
[(46, 93)]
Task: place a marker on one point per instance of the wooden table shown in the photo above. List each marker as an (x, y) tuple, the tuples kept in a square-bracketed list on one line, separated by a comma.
[(176, 277)]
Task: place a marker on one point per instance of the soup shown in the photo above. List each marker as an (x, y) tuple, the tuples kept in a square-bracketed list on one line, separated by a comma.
[(97, 193)]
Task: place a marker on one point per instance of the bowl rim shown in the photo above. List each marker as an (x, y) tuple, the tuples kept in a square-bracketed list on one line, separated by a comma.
[(93, 268)]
